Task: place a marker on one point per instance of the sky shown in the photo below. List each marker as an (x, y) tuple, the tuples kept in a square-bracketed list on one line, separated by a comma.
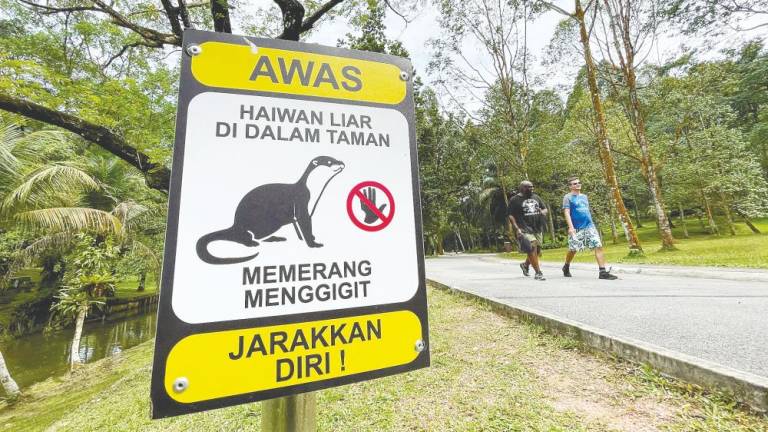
[(424, 25)]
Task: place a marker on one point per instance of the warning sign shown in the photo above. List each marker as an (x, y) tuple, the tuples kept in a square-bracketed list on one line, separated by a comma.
[(294, 180), (362, 199)]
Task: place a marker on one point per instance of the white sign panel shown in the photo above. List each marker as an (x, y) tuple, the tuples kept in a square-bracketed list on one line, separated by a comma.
[(252, 245)]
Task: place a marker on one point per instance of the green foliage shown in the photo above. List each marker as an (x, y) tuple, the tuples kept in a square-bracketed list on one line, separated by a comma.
[(89, 275), (70, 301), (712, 16), (370, 28)]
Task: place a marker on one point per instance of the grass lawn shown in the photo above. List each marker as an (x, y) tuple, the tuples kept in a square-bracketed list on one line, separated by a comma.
[(126, 289), (488, 373), (743, 250)]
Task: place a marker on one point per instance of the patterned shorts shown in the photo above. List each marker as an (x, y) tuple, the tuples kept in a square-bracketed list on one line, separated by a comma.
[(587, 238)]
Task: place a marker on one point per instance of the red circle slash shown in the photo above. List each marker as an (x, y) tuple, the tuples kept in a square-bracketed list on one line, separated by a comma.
[(356, 192)]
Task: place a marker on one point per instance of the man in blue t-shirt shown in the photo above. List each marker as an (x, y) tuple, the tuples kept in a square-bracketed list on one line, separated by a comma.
[(582, 233)]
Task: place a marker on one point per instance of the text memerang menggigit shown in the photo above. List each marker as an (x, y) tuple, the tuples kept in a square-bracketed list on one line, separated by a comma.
[(285, 284)]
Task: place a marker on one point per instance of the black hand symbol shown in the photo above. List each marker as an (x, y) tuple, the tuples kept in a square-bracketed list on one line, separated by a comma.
[(370, 215)]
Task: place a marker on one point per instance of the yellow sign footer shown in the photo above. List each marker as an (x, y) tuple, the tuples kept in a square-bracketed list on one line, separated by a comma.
[(234, 362)]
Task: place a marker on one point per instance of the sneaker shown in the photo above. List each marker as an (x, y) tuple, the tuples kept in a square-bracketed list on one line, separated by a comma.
[(606, 274), (540, 277), (525, 269), (567, 271)]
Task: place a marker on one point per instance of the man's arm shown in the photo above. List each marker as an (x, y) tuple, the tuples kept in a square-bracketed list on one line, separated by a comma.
[(567, 213), (514, 224)]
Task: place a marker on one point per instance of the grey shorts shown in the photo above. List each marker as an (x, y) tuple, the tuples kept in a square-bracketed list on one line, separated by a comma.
[(529, 242)]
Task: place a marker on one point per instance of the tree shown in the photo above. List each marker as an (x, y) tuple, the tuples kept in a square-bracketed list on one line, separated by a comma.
[(88, 278), (74, 302), (579, 15), (130, 41), (500, 88), (629, 27), (711, 16)]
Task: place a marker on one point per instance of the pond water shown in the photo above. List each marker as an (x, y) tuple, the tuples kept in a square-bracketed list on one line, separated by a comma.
[(37, 357)]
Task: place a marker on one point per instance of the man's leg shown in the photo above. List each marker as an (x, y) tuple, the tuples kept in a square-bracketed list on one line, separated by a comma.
[(525, 267), (533, 257), (567, 266), (600, 257)]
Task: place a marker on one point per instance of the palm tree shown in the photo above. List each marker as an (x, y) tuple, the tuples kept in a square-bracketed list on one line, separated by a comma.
[(77, 302), (61, 201)]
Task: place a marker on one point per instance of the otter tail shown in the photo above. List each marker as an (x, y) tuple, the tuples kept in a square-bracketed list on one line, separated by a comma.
[(203, 254)]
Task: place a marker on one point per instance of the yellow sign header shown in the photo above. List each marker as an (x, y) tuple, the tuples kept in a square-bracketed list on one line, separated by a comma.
[(229, 363), (245, 67)]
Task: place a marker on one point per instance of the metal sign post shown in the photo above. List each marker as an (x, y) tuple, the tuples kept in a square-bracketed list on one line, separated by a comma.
[(293, 257), (295, 413)]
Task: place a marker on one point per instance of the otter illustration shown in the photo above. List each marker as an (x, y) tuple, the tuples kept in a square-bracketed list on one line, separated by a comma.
[(267, 208)]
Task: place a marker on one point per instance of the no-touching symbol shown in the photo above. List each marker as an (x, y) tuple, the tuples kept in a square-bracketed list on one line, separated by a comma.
[(377, 214)]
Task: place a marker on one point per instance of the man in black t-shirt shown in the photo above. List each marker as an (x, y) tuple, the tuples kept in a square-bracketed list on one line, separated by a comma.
[(527, 213)]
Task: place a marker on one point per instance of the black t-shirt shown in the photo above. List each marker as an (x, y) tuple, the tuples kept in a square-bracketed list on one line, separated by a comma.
[(527, 213)]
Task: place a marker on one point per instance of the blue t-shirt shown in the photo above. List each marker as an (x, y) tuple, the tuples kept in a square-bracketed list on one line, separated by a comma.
[(579, 206)]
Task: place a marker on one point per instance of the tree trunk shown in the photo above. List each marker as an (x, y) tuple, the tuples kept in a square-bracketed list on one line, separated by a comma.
[(9, 385), (712, 228), (637, 213), (747, 221), (604, 144), (75, 352), (682, 220), (508, 224), (727, 210), (551, 224), (461, 243), (142, 281), (667, 240), (439, 244)]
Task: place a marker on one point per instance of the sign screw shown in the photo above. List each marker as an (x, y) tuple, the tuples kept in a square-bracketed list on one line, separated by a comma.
[(420, 345), (404, 76), (180, 384), (194, 49)]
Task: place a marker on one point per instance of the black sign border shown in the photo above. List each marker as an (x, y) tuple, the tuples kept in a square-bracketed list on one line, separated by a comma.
[(171, 329)]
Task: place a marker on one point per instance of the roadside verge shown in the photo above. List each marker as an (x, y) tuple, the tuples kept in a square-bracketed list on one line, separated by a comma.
[(745, 387)]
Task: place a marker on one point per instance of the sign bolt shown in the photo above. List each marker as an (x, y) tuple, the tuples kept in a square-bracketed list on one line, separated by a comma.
[(404, 76), (180, 384), (194, 49), (420, 345)]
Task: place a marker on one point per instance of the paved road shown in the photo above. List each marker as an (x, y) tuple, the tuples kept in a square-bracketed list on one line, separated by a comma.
[(717, 319)]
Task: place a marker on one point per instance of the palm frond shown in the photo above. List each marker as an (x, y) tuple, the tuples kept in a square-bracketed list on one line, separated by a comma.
[(36, 145), (10, 134), (141, 250), (71, 219), (45, 182)]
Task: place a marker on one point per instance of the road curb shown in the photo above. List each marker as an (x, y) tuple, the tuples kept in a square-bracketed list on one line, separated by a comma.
[(727, 273), (745, 387)]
